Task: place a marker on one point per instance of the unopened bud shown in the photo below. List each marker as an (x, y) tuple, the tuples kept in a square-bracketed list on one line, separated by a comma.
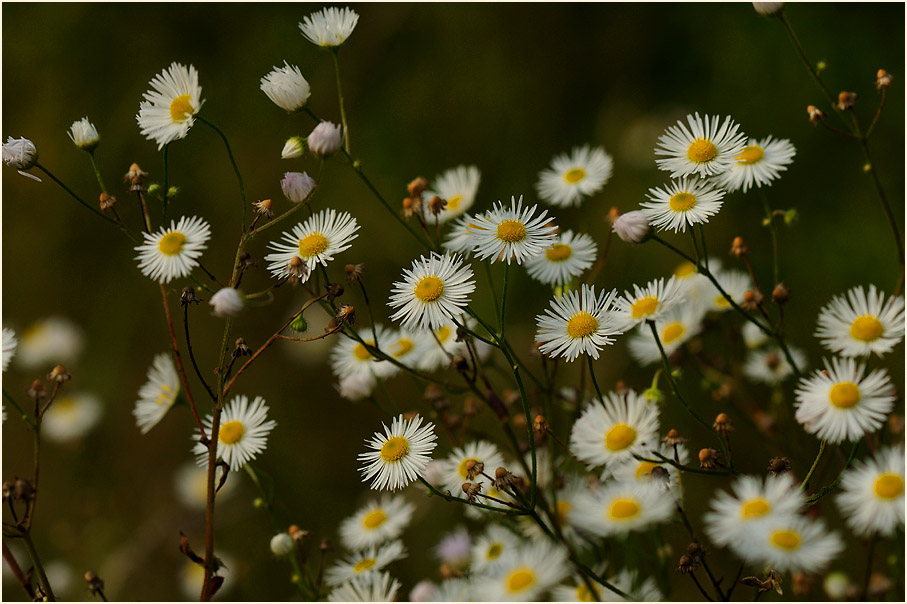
[(779, 465), (780, 294)]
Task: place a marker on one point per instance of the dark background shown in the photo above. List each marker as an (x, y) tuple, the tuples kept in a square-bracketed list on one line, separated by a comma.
[(427, 87)]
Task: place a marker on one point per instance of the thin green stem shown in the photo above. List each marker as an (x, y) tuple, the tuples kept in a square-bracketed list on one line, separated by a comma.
[(696, 247), (165, 191), (810, 501), (594, 381), (805, 483), (809, 66), (39, 568), (883, 199), (449, 497), (77, 198), (335, 53), (776, 268), (13, 402), (878, 114), (497, 308), (242, 189), (503, 300), (97, 172), (705, 252), (660, 459)]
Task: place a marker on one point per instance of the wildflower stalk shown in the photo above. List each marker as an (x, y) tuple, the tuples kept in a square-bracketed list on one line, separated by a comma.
[(705, 252), (449, 497), (809, 66), (503, 300), (166, 187), (497, 310), (17, 572), (97, 172), (660, 459), (335, 54), (192, 355), (805, 483), (82, 201), (770, 223), (39, 568), (594, 381), (242, 190), (811, 501)]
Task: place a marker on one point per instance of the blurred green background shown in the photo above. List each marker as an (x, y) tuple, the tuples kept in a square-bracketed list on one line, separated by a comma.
[(427, 87)]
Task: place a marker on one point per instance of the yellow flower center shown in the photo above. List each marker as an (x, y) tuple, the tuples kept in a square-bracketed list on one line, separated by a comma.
[(181, 108), (454, 202), (575, 175), (644, 470), (558, 252), (520, 579), (231, 432), (461, 469), (581, 324), (620, 437), (721, 301), (443, 333), (364, 564), (511, 231), (789, 540), (403, 347), (685, 270), (313, 245), (172, 243), (889, 486), (701, 151), (361, 352), (563, 508), (494, 551), (165, 396), (429, 289), (672, 331), (844, 395), (644, 307), (623, 509), (394, 449), (681, 202), (751, 154), (374, 519), (584, 595), (754, 508), (866, 328)]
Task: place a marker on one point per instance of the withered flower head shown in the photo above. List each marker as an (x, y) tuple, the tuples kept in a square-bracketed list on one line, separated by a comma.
[(723, 424), (59, 374), (354, 272), (708, 459)]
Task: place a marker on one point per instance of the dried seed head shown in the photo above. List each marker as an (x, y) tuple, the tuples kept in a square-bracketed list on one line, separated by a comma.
[(106, 201), (23, 489), (354, 272), (187, 296), (673, 438), (723, 424), (474, 468), (780, 294), (7, 490), (739, 247), (846, 100), (816, 115), (135, 177), (36, 390), (298, 268), (660, 475), (241, 348), (687, 564), (696, 551), (779, 465), (263, 207), (334, 290), (472, 490), (95, 584), (883, 79), (708, 458), (504, 479), (460, 363), (540, 424), (59, 375), (436, 205), (346, 315), (417, 186), (752, 299)]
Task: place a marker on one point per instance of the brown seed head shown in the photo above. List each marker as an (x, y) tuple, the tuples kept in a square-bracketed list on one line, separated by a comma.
[(264, 207), (106, 201), (298, 268), (846, 100), (883, 79), (752, 299), (23, 489), (36, 390), (816, 115), (354, 272), (779, 465), (241, 348), (780, 294), (723, 424), (540, 424), (739, 247), (708, 458), (772, 360), (436, 205), (59, 375), (417, 186), (687, 564), (673, 438)]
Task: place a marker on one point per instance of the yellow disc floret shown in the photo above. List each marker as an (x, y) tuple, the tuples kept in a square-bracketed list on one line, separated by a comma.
[(644, 307), (681, 202), (754, 508), (575, 175), (494, 551), (181, 108), (520, 579), (702, 151), (364, 564), (511, 231), (558, 252), (866, 328), (231, 432), (624, 509), (889, 486), (620, 437), (313, 245), (751, 154), (789, 540), (361, 352), (394, 449), (672, 331), (844, 395), (172, 243), (429, 288), (454, 202), (581, 325), (374, 519)]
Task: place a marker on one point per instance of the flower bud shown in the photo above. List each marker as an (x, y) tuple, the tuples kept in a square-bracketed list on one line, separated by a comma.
[(19, 153), (297, 186), (325, 139), (769, 9), (281, 544), (227, 302), (632, 227), (286, 87), (84, 135), (293, 148)]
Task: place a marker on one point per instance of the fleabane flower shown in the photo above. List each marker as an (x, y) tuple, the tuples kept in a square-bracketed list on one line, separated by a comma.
[(350, 359), (753, 501), (71, 416), (567, 257), (770, 366), (648, 303), (158, 394), (433, 292), (675, 327), (443, 347), (169, 109), (286, 87), (329, 27), (735, 283), (614, 429), (688, 201), (792, 544), (577, 323), (858, 324), (9, 346), (20, 154), (84, 135), (490, 546), (457, 187), (313, 242), (455, 467), (325, 139), (297, 186), (371, 559), (227, 302), (511, 234), (626, 581), (173, 253), (380, 520), (242, 435), (524, 573), (370, 587), (705, 148), (459, 237), (632, 227), (760, 162), (399, 456), (50, 340), (872, 493), (841, 404), (574, 176), (618, 508), (409, 347)]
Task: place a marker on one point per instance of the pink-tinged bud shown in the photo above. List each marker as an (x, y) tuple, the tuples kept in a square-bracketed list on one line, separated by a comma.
[(227, 302), (325, 139), (297, 186), (632, 227)]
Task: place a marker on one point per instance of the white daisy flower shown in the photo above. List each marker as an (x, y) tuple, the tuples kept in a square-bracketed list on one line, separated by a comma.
[(458, 187), (735, 283), (329, 27), (379, 520), (84, 135), (489, 547), (577, 323), (407, 347), (524, 574), (370, 587), (872, 494), (173, 253), (71, 416), (626, 581), (400, 455), (574, 176), (648, 303), (350, 359), (227, 302), (455, 471), (454, 548), (619, 508), (51, 340), (190, 485), (169, 108), (792, 544), (459, 237), (704, 148), (770, 366), (286, 87), (758, 164), (371, 559), (20, 154), (242, 435), (9, 346), (511, 234), (856, 325), (615, 429), (564, 511), (754, 337), (674, 328), (842, 404), (687, 201), (755, 501), (442, 346), (436, 289), (567, 257), (355, 388), (314, 242), (457, 589), (158, 394)]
